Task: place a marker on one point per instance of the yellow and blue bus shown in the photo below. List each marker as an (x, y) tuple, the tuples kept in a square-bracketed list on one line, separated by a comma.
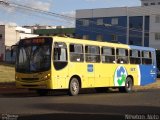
[(53, 63)]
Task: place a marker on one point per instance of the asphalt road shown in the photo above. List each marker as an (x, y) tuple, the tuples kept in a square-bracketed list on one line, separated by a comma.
[(23, 105)]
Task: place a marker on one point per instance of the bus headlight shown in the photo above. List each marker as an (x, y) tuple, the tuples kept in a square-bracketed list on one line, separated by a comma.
[(48, 76), (17, 78)]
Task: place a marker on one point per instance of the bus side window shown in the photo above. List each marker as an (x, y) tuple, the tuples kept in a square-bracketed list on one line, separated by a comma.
[(108, 55), (60, 54), (122, 56), (92, 54), (76, 53), (146, 57), (135, 57)]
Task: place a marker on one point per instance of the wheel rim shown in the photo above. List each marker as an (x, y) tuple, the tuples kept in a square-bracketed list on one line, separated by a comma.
[(129, 84), (74, 87)]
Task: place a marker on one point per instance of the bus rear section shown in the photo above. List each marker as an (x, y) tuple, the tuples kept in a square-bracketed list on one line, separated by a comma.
[(148, 68), (147, 64)]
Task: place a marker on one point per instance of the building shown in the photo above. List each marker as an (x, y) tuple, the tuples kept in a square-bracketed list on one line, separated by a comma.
[(129, 25), (150, 2), (10, 35), (70, 32), (37, 26)]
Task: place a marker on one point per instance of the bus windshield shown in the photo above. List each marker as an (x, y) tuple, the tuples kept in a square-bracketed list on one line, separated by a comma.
[(33, 58)]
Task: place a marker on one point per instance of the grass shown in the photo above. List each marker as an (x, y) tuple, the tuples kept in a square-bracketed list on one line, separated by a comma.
[(150, 86), (7, 73)]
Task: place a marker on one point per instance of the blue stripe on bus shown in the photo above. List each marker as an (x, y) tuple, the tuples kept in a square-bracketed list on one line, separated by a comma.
[(148, 74)]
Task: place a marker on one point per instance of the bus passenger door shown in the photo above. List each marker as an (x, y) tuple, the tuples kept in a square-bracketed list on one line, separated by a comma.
[(60, 72)]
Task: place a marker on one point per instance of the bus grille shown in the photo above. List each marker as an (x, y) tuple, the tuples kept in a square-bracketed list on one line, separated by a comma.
[(30, 85), (33, 79)]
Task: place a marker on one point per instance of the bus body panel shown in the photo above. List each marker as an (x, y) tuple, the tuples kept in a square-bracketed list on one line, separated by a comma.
[(148, 74), (104, 74), (78, 69), (60, 78)]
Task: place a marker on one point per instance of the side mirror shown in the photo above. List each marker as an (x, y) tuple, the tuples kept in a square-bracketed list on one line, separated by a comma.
[(13, 48), (11, 52)]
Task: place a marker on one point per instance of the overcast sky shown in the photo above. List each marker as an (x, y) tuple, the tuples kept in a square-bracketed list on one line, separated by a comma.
[(67, 7)]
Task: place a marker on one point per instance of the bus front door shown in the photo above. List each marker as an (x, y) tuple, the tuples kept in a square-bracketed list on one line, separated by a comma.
[(60, 65)]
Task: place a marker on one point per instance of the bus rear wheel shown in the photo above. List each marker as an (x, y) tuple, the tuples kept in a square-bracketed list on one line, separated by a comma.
[(74, 87), (128, 86)]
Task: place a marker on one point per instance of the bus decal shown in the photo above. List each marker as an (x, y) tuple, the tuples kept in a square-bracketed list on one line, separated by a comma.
[(120, 76), (90, 68)]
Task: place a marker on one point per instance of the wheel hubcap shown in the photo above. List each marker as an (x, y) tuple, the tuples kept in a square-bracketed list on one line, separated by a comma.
[(127, 85), (74, 87)]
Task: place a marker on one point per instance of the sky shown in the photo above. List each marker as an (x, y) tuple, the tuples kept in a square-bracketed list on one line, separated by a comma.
[(18, 16)]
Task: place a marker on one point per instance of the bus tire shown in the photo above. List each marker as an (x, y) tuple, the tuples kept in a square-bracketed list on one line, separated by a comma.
[(128, 86), (74, 87)]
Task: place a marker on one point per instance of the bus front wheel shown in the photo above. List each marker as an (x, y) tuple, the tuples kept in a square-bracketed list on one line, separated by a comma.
[(74, 87), (128, 86)]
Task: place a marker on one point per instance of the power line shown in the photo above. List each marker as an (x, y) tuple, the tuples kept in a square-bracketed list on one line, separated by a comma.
[(27, 9), (98, 31), (64, 17), (41, 11)]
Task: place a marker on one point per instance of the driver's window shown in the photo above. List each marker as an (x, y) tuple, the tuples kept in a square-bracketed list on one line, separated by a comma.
[(60, 52), (60, 55), (22, 57)]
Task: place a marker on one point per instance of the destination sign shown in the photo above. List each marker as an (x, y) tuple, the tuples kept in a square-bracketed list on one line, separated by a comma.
[(36, 41)]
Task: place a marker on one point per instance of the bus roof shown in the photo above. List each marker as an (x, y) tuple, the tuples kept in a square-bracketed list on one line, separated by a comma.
[(91, 42), (119, 45), (141, 48)]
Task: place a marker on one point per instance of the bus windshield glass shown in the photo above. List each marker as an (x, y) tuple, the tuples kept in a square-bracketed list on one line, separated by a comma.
[(33, 57)]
